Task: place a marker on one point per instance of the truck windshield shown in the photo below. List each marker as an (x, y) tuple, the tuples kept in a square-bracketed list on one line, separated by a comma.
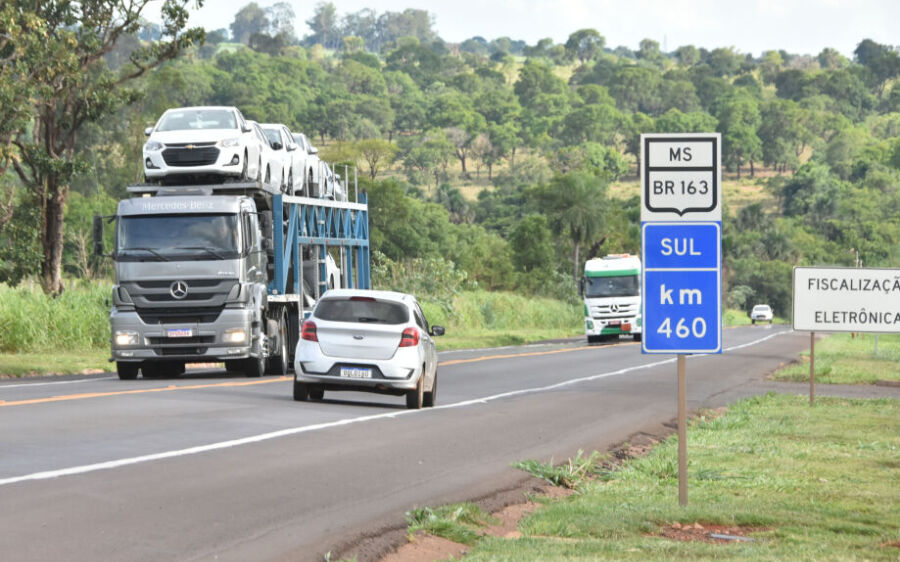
[(174, 237), (618, 286)]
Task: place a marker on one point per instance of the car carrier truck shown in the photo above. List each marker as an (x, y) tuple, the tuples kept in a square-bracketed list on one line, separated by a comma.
[(611, 288), (224, 273)]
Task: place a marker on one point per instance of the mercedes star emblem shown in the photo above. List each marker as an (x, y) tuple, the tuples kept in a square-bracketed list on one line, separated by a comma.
[(179, 289)]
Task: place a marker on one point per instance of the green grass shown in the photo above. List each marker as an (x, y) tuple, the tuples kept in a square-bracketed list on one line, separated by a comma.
[(819, 483), (49, 363), (842, 359), (488, 319), (458, 522), (31, 321)]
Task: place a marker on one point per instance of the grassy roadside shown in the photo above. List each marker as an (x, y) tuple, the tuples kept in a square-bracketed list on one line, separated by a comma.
[(804, 483), (15, 365), (843, 359)]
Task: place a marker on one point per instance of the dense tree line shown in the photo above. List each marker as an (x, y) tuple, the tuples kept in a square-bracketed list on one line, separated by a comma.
[(551, 126)]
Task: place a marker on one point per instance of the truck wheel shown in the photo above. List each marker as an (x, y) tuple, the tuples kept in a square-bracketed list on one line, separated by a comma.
[(127, 371), (254, 366), (593, 339), (245, 169), (637, 337), (301, 391), (278, 364)]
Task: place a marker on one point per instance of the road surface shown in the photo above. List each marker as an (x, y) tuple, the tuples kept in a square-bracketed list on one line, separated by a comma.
[(215, 466)]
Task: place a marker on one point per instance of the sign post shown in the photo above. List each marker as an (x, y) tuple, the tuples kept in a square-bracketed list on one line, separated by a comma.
[(681, 236)]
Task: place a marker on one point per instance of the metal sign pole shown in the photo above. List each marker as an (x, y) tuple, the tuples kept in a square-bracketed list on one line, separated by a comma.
[(682, 433), (812, 369)]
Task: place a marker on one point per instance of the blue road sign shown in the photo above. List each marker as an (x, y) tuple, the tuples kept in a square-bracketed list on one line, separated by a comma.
[(682, 287)]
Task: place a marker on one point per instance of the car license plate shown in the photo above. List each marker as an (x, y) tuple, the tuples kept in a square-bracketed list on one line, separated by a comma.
[(615, 322), (356, 373), (180, 333)]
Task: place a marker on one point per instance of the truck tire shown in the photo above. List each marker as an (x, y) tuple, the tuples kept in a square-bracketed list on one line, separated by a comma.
[(254, 367), (301, 391), (637, 337), (279, 363), (127, 371)]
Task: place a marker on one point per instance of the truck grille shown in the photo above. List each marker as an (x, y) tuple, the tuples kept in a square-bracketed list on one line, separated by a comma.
[(196, 345), (198, 293), (179, 315), (621, 310), (200, 154)]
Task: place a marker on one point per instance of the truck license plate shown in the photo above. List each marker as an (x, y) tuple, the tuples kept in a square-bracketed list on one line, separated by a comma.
[(180, 333), (356, 373), (615, 322)]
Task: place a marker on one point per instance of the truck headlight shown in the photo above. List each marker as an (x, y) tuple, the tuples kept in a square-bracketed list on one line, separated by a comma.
[(153, 146), (236, 335), (125, 338), (230, 143)]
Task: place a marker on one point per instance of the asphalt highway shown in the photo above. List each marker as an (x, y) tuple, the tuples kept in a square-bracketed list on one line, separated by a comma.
[(215, 466)]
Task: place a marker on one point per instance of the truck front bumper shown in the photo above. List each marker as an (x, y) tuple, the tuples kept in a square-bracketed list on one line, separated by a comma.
[(133, 340), (612, 326)]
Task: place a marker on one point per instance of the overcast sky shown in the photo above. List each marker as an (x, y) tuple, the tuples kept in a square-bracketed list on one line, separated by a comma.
[(751, 26)]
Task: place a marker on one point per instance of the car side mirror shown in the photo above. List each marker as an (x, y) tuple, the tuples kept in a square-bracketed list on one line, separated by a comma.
[(313, 150), (437, 330), (247, 129), (147, 131), (291, 147), (277, 146)]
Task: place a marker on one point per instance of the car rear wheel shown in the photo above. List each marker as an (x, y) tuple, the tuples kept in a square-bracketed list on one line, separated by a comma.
[(416, 396), (316, 393), (431, 397), (301, 391), (127, 371)]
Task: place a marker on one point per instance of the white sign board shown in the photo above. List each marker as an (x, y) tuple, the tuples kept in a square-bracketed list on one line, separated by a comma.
[(841, 299), (681, 178)]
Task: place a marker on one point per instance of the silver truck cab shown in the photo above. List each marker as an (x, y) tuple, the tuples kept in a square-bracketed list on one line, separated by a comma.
[(190, 285)]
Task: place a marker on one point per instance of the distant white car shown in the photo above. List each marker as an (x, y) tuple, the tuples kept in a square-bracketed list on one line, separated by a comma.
[(198, 141), (271, 163), (761, 313), (363, 340)]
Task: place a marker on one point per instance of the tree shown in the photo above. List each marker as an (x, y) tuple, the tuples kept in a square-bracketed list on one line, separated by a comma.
[(585, 44), (324, 27), (376, 153), (688, 55), (532, 247), (249, 20), (575, 205), (882, 61), (738, 116), (80, 89)]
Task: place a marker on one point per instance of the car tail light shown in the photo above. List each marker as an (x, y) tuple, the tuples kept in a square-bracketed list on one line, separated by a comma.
[(308, 331), (366, 299), (410, 338)]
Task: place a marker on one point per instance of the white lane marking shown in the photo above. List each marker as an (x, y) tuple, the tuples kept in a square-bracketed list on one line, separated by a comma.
[(327, 425), (31, 384)]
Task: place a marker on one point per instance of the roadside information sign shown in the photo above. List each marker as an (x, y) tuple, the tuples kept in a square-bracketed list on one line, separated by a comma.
[(681, 238), (843, 299), (681, 287), (681, 230)]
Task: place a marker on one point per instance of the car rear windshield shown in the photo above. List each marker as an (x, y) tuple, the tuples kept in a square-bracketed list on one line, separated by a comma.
[(363, 311)]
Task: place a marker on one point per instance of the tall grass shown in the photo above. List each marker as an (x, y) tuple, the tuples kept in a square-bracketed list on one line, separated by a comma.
[(31, 321), (476, 311)]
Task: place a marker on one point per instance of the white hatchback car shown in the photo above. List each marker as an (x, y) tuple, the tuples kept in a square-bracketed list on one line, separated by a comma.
[(761, 313), (201, 141), (372, 341)]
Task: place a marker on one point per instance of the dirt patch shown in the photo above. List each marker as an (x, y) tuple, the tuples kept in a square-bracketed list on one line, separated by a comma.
[(426, 548), (707, 532)]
